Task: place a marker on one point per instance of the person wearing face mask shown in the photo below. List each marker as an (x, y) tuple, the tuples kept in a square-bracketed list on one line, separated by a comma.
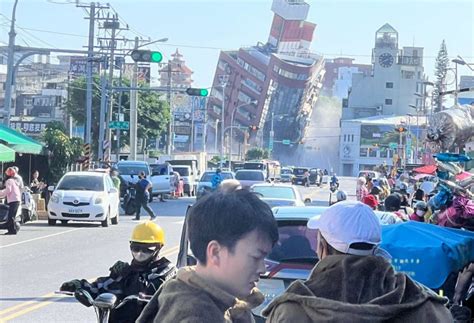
[(145, 274), (422, 212), (353, 281)]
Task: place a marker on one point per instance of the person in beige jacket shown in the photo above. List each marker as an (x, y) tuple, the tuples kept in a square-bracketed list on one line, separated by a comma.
[(353, 281), (230, 234)]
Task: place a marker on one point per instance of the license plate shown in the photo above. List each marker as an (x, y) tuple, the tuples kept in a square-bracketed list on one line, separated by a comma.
[(75, 211)]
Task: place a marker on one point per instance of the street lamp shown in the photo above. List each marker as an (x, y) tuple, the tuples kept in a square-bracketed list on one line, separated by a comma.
[(417, 130), (456, 61), (253, 102)]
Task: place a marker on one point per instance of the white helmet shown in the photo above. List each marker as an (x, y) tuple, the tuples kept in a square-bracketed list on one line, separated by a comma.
[(341, 196)]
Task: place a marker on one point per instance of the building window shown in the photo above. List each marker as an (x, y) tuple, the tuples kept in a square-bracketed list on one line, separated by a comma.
[(345, 138), (252, 85), (383, 153), (28, 102), (363, 152), (252, 70), (408, 75), (345, 103), (389, 85), (352, 138), (415, 53), (372, 152), (388, 101), (244, 97)]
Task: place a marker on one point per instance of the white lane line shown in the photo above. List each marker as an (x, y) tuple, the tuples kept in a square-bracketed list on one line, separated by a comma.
[(39, 238)]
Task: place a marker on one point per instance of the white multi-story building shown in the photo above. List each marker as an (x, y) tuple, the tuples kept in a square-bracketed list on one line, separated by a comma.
[(369, 142), (397, 75)]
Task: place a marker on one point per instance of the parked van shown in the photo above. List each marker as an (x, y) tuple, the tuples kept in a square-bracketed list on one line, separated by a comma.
[(189, 178)]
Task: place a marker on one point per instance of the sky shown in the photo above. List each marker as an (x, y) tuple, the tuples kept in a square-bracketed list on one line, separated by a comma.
[(201, 28)]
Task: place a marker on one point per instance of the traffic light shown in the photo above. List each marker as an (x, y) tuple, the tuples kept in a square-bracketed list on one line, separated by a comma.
[(139, 55), (253, 128), (197, 92)]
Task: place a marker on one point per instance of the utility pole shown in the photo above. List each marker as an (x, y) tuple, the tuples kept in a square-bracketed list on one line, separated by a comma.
[(120, 61), (223, 80), (103, 103), (10, 62), (133, 108), (170, 143), (89, 80), (113, 25)]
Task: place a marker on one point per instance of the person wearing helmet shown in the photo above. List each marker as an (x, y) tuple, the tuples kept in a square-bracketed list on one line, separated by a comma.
[(145, 274), (421, 213), (340, 196), (12, 192), (216, 179), (393, 204)]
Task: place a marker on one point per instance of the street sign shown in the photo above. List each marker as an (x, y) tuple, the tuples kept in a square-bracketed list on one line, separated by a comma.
[(124, 125), (286, 142), (393, 145)]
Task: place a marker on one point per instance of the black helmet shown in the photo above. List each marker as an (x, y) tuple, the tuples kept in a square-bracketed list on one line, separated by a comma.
[(392, 203), (421, 206)]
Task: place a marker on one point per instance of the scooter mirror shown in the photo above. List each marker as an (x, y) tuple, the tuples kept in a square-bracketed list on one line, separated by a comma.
[(105, 300), (51, 188)]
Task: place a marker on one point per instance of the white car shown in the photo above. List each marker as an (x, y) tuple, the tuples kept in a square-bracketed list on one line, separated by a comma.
[(279, 194), (84, 196)]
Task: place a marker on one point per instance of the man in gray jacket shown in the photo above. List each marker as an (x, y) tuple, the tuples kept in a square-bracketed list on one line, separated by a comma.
[(352, 281)]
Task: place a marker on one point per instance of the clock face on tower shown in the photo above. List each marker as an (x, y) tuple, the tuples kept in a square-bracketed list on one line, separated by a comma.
[(386, 60)]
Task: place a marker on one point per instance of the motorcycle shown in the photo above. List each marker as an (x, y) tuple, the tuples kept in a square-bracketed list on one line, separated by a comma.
[(4, 221), (104, 303), (28, 206), (129, 200)]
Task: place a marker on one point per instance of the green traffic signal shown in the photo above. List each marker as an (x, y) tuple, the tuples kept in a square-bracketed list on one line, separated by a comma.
[(146, 56), (156, 57), (197, 92)]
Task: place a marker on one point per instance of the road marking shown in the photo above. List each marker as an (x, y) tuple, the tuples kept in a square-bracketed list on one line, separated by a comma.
[(26, 310), (39, 238), (48, 299), (25, 303)]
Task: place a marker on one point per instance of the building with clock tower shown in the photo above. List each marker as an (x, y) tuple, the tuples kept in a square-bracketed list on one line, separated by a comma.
[(397, 74)]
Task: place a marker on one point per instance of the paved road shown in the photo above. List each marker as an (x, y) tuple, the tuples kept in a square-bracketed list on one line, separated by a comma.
[(34, 263)]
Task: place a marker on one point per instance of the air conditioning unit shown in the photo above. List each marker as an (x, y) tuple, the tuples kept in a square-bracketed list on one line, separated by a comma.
[(379, 108)]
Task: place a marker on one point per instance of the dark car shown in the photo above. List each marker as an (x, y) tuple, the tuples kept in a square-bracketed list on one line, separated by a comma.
[(301, 176)]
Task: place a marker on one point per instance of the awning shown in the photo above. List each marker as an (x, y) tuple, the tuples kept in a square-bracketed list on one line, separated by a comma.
[(428, 169), (19, 142), (6, 154)]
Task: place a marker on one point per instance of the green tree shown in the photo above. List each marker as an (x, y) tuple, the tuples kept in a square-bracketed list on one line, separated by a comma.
[(57, 125), (441, 69), (60, 150), (256, 153), (153, 113)]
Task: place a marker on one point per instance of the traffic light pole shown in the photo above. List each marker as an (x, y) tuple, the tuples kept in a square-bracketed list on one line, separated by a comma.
[(133, 109), (10, 67)]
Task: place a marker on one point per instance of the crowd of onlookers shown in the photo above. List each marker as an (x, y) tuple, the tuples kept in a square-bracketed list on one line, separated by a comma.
[(408, 198)]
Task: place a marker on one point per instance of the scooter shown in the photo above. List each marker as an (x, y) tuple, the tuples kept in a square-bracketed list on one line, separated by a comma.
[(4, 221), (103, 303), (28, 206), (128, 203)]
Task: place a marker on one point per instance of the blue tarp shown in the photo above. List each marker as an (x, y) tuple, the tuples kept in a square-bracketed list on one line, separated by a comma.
[(449, 157), (428, 253)]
